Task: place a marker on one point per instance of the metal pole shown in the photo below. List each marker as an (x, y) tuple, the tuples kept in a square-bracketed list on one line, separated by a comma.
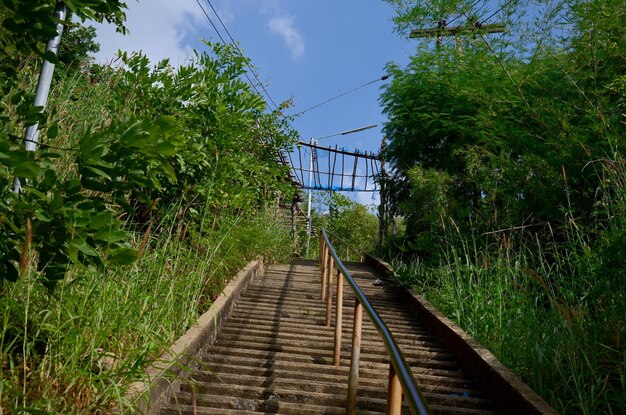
[(355, 360), (329, 296), (294, 228), (394, 393), (338, 319), (381, 207), (326, 260), (308, 208), (43, 85)]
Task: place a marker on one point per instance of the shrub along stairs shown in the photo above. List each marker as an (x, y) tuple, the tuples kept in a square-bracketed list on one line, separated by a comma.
[(274, 354)]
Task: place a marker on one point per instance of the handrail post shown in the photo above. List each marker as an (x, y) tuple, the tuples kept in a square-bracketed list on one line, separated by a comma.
[(355, 360), (324, 269), (338, 319), (394, 393), (330, 266), (329, 295)]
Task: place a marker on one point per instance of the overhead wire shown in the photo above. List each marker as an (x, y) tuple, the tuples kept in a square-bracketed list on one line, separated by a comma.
[(462, 13), (234, 43), (225, 43), (493, 14), (252, 84), (500, 62), (261, 85), (382, 78)]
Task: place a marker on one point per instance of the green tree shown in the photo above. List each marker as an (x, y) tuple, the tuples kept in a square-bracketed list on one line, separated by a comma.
[(195, 137), (48, 202), (513, 123), (352, 222), (78, 43)]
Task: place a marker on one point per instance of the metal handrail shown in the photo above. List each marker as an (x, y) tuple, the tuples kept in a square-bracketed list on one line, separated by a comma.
[(335, 237), (399, 369)]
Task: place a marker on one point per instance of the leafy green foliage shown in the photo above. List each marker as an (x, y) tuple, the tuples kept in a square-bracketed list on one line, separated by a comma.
[(507, 155), (148, 190), (94, 337), (353, 223), (195, 136), (515, 133), (78, 43), (27, 26)]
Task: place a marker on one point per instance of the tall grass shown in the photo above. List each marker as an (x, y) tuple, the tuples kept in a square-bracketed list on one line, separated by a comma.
[(532, 316), (552, 311), (76, 350)]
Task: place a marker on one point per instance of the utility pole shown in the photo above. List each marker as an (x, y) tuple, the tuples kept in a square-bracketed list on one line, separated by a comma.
[(43, 85), (442, 29)]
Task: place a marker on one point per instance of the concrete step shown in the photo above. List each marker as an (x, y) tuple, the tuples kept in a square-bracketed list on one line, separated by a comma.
[(235, 362), (260, 376), (412, 345), (323, 394), (416, 341), (370, 359)]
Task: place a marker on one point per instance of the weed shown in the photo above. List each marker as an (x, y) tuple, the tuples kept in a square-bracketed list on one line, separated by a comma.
[(537, 315)]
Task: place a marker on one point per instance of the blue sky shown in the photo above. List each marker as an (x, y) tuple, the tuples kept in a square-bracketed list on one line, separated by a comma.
[(305, 50)]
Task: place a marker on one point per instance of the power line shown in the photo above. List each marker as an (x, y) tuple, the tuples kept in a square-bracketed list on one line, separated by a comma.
[(493, 14), (462, 13), (226, 43), (234, 43), (382, 78), (252, 84), (241, 53), (211, 21)]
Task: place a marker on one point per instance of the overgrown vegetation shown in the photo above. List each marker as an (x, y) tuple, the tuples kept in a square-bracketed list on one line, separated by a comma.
[(352, 226), (151, 186), (508, 156)]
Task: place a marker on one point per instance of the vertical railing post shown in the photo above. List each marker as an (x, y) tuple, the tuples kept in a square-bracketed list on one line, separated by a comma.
[(353, 378), (330, 265), (324, 256), (329, 295), (394, 393), (338, 319)]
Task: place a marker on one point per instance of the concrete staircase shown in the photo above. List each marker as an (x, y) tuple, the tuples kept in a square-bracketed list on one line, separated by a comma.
[(274, 354)]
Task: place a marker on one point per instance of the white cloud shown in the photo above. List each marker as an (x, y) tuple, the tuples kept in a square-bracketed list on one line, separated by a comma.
[(284, 27), (160, 28), (166, 29)]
